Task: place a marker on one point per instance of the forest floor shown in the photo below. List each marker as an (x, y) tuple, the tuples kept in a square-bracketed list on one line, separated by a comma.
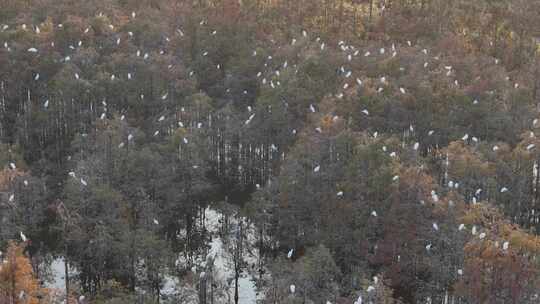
[(223, 268)]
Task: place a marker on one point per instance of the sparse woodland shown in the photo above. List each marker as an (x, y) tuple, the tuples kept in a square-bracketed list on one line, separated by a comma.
[(324, 151)]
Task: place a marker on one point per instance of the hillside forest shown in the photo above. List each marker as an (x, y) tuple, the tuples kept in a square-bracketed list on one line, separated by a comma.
[(270, 151)]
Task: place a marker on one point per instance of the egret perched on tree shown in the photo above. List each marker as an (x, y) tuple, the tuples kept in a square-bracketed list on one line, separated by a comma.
[(290, 253)]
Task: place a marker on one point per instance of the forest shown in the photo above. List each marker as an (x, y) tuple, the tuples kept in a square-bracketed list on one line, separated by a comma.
[(269, 151)]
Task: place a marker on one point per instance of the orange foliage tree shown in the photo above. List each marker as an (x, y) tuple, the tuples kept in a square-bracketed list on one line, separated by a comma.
[(17, 281)]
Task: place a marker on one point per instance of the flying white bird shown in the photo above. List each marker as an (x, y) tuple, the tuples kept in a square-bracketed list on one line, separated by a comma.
[(162, 118), (317, 168), (504, 189), (529, 147), (83, 182), (365, 111), (402, 90), (395, 178), (340, 193), (430, 132), (156, 133), (495, 148), (461, 227), (32, 50), (428, 247), (156, 222)]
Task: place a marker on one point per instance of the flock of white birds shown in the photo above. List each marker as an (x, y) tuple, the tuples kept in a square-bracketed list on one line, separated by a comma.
[(272, 81)]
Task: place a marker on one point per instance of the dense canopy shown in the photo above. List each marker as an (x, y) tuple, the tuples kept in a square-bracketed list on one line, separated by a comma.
[(305, 151)]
